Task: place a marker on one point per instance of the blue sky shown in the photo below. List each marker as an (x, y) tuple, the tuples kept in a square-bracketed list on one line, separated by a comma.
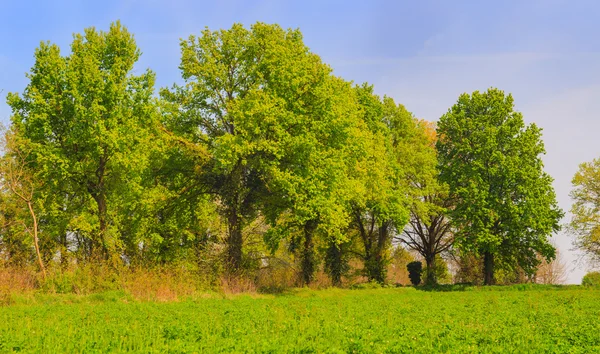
[(421, 53)]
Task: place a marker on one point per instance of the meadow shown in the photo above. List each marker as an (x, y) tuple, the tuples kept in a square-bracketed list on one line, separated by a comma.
[(514, 319)]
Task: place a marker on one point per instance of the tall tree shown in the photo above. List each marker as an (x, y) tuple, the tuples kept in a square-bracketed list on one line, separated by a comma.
[(87, 122), (505, 207), (585, 221), (382, 207), (251, 97), (314, 179), (429, 230)]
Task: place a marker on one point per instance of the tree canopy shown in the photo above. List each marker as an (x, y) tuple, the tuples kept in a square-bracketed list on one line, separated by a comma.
[(262, 161), (86, 122), (585, 221), (505, 206)]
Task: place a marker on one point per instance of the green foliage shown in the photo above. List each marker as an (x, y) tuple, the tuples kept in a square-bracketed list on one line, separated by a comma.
[(585, 222), (591, 279), (276, 127), (381, 206), (505, 205), (86, 123), (415, 269), (262, 149), (497, 320), (440, 271), (336, 261)]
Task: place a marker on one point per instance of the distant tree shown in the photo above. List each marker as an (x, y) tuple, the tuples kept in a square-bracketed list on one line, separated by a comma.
[(399, 259), (551, 272), (585, 221), (505, 207), (591, 279), (429, 231), (466, 267), (87, 122)]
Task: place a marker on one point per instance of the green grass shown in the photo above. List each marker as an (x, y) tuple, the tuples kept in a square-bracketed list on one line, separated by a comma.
[(496, 320)]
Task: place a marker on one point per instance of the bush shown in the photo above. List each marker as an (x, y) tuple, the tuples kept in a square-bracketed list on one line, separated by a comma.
[(591, 279), (369, 285), (415, 269)]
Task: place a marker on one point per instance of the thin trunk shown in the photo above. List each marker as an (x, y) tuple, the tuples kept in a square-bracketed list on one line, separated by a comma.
[(102, 219), (64, 260), (308, 253), (35, 238), (96, 190), (488, 268)]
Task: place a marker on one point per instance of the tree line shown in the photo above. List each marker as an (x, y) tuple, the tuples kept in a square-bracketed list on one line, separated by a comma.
[(260, 151)]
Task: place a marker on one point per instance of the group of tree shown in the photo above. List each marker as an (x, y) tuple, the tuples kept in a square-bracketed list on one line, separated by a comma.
[(261, 150)]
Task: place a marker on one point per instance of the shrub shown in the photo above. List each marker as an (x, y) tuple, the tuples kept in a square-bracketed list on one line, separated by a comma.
[(591, 279), (415, 269)]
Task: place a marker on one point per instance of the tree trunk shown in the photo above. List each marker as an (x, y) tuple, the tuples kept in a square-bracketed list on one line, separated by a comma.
[(101, 253), (375, 265), (234, 242), (488, 268), (308, 253), (102, 219), (64, 258), (35, 238), (335, 263), (96, 190), (431, 278), (376, 262)]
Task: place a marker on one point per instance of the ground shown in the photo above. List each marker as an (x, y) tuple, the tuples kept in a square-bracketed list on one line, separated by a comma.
[(514, 319)]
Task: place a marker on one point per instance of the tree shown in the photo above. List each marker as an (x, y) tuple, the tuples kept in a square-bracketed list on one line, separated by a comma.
[(314, 180), (551, 272), (266, 111), (87, 122), (382, 206), (591, 279), (585, 221), (505, 207), (429, 231), (440, 271), (21, 183)]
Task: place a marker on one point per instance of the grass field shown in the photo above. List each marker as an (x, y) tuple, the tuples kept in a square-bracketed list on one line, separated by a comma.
[(498, 320)]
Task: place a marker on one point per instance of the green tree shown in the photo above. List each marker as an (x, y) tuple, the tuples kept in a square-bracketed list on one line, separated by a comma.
[(585, 221), (314, 179), (382, 207), (591, 279), (20, 183), (264, 110), (429, 231), (505, 205), (219, 67), (439, 268), (87, 121)]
